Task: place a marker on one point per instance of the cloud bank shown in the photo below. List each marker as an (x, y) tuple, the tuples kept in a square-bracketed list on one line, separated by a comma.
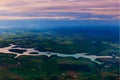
[(60, 9)]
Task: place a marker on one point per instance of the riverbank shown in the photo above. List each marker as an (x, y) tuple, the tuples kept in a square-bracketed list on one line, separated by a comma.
[(29, 51)]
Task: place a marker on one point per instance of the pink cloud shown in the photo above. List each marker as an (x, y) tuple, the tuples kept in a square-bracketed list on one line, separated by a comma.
[(101, 7)]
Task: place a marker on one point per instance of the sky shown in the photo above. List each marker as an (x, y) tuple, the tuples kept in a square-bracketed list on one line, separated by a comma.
[(83, 10)]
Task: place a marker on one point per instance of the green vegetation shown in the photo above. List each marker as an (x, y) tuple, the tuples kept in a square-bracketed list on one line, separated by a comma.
[(44, 68), (56, 42), (17, 50), (56, 68)]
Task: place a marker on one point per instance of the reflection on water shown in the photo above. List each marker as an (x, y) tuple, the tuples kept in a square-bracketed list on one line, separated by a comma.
[(32, 50)]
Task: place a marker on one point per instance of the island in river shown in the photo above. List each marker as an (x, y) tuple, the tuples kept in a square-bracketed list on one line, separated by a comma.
[(12, 49), (81, 54)]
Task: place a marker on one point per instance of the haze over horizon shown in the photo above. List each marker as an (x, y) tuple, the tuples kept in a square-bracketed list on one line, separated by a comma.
[(82, 12)]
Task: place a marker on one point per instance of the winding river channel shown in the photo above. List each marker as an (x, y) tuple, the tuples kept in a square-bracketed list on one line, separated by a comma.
[(6, 50)]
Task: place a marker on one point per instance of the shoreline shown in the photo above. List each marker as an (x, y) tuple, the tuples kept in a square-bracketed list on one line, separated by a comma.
[(92, 58)]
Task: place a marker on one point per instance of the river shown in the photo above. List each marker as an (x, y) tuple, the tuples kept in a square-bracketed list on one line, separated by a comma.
[(30, 50)]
